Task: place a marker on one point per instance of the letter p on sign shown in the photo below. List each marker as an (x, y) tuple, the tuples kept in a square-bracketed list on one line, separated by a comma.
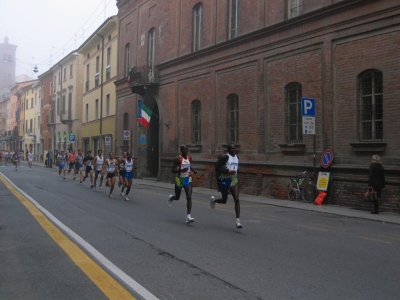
[(308, 107)]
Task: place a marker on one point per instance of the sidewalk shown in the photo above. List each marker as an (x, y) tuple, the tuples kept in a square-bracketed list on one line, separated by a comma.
[(385, 217)]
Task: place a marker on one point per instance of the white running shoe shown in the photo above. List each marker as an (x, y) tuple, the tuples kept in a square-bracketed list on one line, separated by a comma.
[(122, 194), (101, 186), (212, 202), (126, 198), (189, 220), (238, 225), (169, 201)]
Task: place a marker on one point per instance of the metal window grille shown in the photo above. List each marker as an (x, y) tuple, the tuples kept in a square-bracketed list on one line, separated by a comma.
[(198, 11), (294, 118), (370, 109), (126, 126), (295, 8), (234, 30), (233, 118), (196, 121)]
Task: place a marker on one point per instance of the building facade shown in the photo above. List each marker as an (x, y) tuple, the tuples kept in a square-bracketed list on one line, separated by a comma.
[(46, 119), (99, 53), (7, 63), (27, 126), (234, 72)]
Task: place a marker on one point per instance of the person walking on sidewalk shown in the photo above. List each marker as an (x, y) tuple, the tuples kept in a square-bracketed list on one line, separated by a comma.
[(182, 167), (228, 167), (376, 180)]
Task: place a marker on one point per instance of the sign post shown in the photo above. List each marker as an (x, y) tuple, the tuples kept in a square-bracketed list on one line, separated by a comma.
[(308, 117)]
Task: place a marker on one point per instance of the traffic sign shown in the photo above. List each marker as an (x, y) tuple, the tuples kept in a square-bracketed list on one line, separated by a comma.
[(107, 140), (72, 138), (309, 125), (127, 135), (326, 158), (308, 107)]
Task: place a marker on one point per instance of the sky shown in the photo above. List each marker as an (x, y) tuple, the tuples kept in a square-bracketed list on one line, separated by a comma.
[(45, 31)]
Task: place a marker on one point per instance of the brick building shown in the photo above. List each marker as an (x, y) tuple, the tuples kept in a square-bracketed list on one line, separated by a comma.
[(234, 71)]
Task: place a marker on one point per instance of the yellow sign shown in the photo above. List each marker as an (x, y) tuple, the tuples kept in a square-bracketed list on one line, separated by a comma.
[(323, 181)]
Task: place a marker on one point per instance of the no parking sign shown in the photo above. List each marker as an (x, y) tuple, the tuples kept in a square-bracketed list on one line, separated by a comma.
[(326, 158)]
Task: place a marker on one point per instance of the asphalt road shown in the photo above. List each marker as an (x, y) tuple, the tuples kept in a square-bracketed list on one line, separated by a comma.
[(281, 253)]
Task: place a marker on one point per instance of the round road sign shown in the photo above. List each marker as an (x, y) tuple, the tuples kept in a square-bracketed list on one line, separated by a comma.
[(326, 158)]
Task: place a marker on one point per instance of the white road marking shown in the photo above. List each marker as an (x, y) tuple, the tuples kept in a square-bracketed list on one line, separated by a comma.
[(93, 252)]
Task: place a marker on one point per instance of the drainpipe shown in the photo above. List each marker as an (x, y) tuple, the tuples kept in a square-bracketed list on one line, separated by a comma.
[(101, 90)]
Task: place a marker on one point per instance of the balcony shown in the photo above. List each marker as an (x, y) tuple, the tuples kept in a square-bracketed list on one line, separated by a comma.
[(66, 117), (50, 120), (30, 132), (142, 77)]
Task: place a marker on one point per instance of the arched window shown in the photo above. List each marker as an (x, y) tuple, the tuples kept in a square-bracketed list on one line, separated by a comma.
[(197, 26), (126, 126), (5, 57), (234, 19), (196, 121), (233, 118), (10, 58), (370, 112), (127, 58), (294, 117)]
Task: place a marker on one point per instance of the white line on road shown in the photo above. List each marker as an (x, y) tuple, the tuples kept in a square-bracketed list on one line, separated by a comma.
[(93, 252)]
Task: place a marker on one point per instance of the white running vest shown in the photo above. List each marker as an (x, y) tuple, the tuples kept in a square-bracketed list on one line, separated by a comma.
[(233, 163), (99, 163)]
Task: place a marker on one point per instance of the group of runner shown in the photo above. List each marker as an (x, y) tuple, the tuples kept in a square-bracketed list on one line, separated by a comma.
[(98, 166), (227, 168), (14, 157)]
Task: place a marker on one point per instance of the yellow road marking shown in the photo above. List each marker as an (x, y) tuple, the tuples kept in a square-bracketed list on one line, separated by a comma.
[(108, 285), (310, 227), (375, 240), (389, 237)]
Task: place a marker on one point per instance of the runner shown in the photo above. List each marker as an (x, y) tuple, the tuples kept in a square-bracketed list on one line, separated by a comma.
[(121, 180), (129, 165), (61, 160), (71, 161), (111, 168), (15, 160), (29, 156), (182, 167), (228, 167), (79, 165), (98, 165), (89, 169)]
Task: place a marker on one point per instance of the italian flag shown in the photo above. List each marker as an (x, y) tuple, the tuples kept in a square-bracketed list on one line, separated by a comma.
[(144, 114)]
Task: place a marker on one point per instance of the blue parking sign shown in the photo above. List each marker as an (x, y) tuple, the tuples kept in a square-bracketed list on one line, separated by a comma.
[(308, 107)]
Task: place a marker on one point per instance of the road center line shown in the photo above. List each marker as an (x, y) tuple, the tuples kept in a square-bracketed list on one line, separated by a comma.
[(108, 285), (375, 240), (310, 227)]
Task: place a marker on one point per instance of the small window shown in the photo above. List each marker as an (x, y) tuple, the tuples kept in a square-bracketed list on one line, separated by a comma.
[(70, 70), (196, 121), (125, 126), (233, 118), (109, 37), (87, 112), (96, 110), (370, 112), (151, 48), (293, 113), (234, 19), (108, 105), (127, 58), (295, 8), (197, 27)]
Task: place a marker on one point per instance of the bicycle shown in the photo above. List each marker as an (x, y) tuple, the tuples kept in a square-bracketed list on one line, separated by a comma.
[(303, 184)]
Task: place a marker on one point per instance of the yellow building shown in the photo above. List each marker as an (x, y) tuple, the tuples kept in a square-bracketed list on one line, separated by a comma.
[(26, 128), (99, 100)]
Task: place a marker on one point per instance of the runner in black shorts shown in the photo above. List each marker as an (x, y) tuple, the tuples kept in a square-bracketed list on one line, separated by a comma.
[(87, 161), (111, 169)]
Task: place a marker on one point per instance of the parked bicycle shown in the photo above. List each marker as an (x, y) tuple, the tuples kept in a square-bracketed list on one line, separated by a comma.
[(303, 184)]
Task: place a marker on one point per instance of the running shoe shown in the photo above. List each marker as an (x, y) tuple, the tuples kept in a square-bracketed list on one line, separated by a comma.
[(73, 178), (64, 178), (238, 225), (126, 198), (122, 194), (91, 186), (169, 200), (80, 181), (101, 186), (189, 220), (212, 202)]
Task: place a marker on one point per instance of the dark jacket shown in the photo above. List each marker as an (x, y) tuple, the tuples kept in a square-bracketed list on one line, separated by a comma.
[(376, 177)]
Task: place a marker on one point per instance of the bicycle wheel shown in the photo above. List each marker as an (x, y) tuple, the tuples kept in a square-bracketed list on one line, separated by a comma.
[(292, 187), (309, 192)]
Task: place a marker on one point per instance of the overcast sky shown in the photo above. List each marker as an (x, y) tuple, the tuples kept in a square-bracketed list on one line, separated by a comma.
[(47, 30)]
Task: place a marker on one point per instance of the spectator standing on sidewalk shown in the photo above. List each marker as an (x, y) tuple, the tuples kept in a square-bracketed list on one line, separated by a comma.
[(376, 180)]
